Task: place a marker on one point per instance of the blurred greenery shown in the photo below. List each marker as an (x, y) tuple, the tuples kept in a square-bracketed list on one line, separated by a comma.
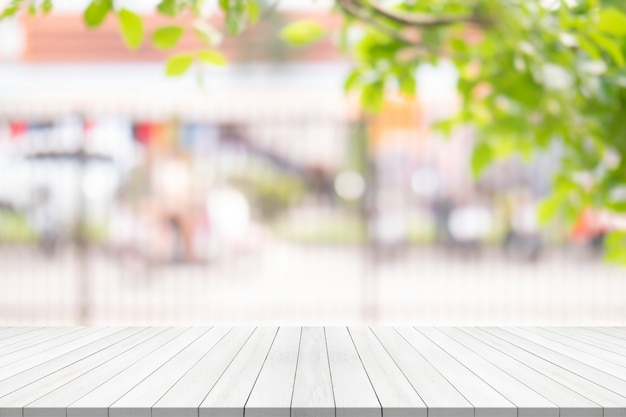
[(302, 33), (344, 229), (271, 192), (167, 37), (14, 228), (531, 73), (131, 28)]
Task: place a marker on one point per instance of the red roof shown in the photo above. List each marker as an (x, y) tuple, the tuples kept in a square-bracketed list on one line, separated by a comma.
[(65, 38)]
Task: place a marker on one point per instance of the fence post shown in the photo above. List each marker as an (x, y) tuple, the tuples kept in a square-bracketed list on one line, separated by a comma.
[(79, 235)]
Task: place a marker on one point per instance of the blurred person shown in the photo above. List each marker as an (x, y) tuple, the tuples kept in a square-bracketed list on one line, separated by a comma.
[(172, 191), (590, 228), (522, 236), (442, 207), (42, 219), (232, 232), (469, 223)]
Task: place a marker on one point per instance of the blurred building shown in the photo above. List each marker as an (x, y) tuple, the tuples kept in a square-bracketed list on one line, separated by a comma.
[(125, 194)]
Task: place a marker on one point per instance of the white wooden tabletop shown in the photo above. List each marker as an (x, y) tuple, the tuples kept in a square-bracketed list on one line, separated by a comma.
[(312, 371)]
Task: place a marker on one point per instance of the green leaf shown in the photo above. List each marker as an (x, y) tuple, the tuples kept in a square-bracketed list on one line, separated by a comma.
[(407, 84), (352, 80), (446, 126), (46, 6), (177, 65), (610, 46), (11, 9), (167, 37), (96, 12), (236, 15), (481, 158), (168, 7), (131, 27), (212, 57), (254, 10), (302, 33), (548, 209), (615, 247), (372, 96), (589, 47), (612, 21)]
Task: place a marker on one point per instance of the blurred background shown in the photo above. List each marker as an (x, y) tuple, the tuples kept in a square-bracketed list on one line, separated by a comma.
[(260, 193)]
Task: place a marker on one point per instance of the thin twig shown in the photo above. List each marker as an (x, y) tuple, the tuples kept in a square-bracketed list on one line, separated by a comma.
[(350, 9), (422, 20)]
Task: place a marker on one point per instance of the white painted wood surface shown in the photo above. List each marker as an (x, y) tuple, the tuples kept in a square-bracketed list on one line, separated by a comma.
[(313, 387), (312, 372)]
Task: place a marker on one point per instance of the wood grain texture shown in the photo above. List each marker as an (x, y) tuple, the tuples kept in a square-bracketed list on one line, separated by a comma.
[(56, 401), (353, 391), (229, 395), (97, 402), (528, 401), (184, 398), (486, 400), (312, 372), (313, 388), (140, 399), (395, 393), (441, 397), (570, 403), (272, 392)]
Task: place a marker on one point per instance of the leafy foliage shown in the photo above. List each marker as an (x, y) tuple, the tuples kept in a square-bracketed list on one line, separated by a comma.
[(96, 12), (303, 33), (178, 64), (131, 28), (531, 74), (167, 37), (212, 57)]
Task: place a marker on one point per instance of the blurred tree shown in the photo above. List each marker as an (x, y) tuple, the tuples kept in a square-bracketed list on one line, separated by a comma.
[(531, 73)]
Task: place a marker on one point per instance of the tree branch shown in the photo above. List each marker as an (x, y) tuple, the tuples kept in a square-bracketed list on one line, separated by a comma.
[(355, 11), (422, 20)]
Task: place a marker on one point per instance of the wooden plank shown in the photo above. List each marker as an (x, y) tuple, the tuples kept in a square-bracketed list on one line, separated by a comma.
[(354, 394), (43, 365), (582, 343), (20, 335), (354, 372), (529, 402), (570, 403), (441, 397), (617, 340), (486, 400), (44, 350), (271, 394), (396, 395), (615, 331), (139, 400), (43, 386), (9, 329), (55, 402), (612, 344), (50, 375), (229, 395), (313, 390), (588, 354), (607, 399), (9, 332), (582, 369), (98, 401), (13, 349), (575, 341), (185, 397)]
